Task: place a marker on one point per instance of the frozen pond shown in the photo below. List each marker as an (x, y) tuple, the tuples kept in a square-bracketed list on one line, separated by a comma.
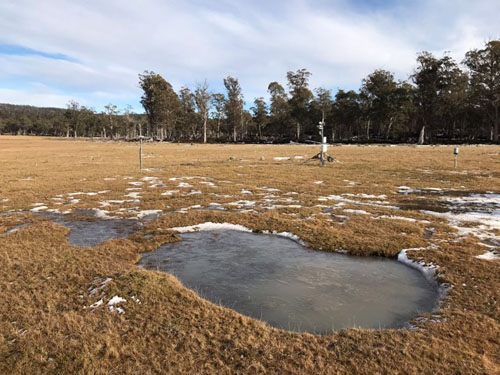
[(91, 231), (279, 281)]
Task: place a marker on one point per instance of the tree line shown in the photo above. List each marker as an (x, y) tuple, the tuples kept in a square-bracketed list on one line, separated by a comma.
[(441, 101)]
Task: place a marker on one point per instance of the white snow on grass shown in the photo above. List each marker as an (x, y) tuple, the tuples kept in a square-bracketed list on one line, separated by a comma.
[(150, 178), (412, 220), (184, 185), (240, 203), (278, 158), (134, 189), (38, 208), (489, 255), (109, 179), (169, 192), (490, 200), (93, 291), (194, 192), (37, 204), (96, 304), (144, 213), (488, 222), (136, 183), (207, 183), (114, 301), (248, 192), (211, 226), (135, 195), (339, 198), (101, 214), (317, 182), (268, 188), (360, 212), (361, 195)]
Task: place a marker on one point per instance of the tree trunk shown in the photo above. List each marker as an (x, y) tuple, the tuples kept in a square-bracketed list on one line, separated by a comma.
[(205, 128), (298, 131), (388, 128), (234, 133), (421, 138)]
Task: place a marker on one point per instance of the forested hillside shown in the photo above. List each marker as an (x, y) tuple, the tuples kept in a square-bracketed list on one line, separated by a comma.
[(441, 101)]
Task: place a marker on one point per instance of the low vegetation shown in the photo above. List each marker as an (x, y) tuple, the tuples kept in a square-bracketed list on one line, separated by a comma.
[(51, 320)]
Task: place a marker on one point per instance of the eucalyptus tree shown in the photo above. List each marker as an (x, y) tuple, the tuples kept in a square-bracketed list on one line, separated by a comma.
[(260, 115), (188, 120), (439, 82), (484, 70), (218, 103), (346, 113), (202, 98), (72, 115), (279, 109), (378, 90), (300, 98), (234, 105), (111, 111), (160, 103)]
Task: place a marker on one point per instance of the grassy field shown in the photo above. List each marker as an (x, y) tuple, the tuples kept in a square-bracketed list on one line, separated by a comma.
[(49, 322)]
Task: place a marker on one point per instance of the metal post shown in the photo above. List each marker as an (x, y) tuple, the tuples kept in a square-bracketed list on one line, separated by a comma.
[(321, 127), (455, 152)]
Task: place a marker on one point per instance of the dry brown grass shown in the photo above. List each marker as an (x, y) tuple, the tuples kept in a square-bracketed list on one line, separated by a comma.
[(44, 282)]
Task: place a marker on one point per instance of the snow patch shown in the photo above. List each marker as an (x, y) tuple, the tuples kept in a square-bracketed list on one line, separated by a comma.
[(489, 255), (211, 226)]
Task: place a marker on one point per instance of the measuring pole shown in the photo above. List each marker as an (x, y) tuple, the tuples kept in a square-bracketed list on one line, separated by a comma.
[(140, 154), (455, 152), (321, 128)]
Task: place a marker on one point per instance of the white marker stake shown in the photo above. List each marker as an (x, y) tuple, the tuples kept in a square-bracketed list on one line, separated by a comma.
[(455, 152)]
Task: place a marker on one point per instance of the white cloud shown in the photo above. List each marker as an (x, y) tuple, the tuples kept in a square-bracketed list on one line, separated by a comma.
[(256, 41)]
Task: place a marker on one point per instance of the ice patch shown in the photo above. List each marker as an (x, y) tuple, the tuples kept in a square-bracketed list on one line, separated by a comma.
[(428, 270)]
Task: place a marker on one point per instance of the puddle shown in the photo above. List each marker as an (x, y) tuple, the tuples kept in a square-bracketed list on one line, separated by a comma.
[(279, 281), (91, 231)]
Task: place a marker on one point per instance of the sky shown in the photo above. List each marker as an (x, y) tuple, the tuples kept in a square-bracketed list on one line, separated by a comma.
[(92, 51)]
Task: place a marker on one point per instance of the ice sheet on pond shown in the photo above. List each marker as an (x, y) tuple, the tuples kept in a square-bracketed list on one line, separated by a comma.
[(92, 231), (291, 287)]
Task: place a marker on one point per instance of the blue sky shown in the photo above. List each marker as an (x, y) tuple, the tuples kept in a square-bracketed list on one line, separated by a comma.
[(92, 51)]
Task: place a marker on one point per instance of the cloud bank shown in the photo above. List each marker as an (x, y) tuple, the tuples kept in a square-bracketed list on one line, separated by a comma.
[(92, 51)]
